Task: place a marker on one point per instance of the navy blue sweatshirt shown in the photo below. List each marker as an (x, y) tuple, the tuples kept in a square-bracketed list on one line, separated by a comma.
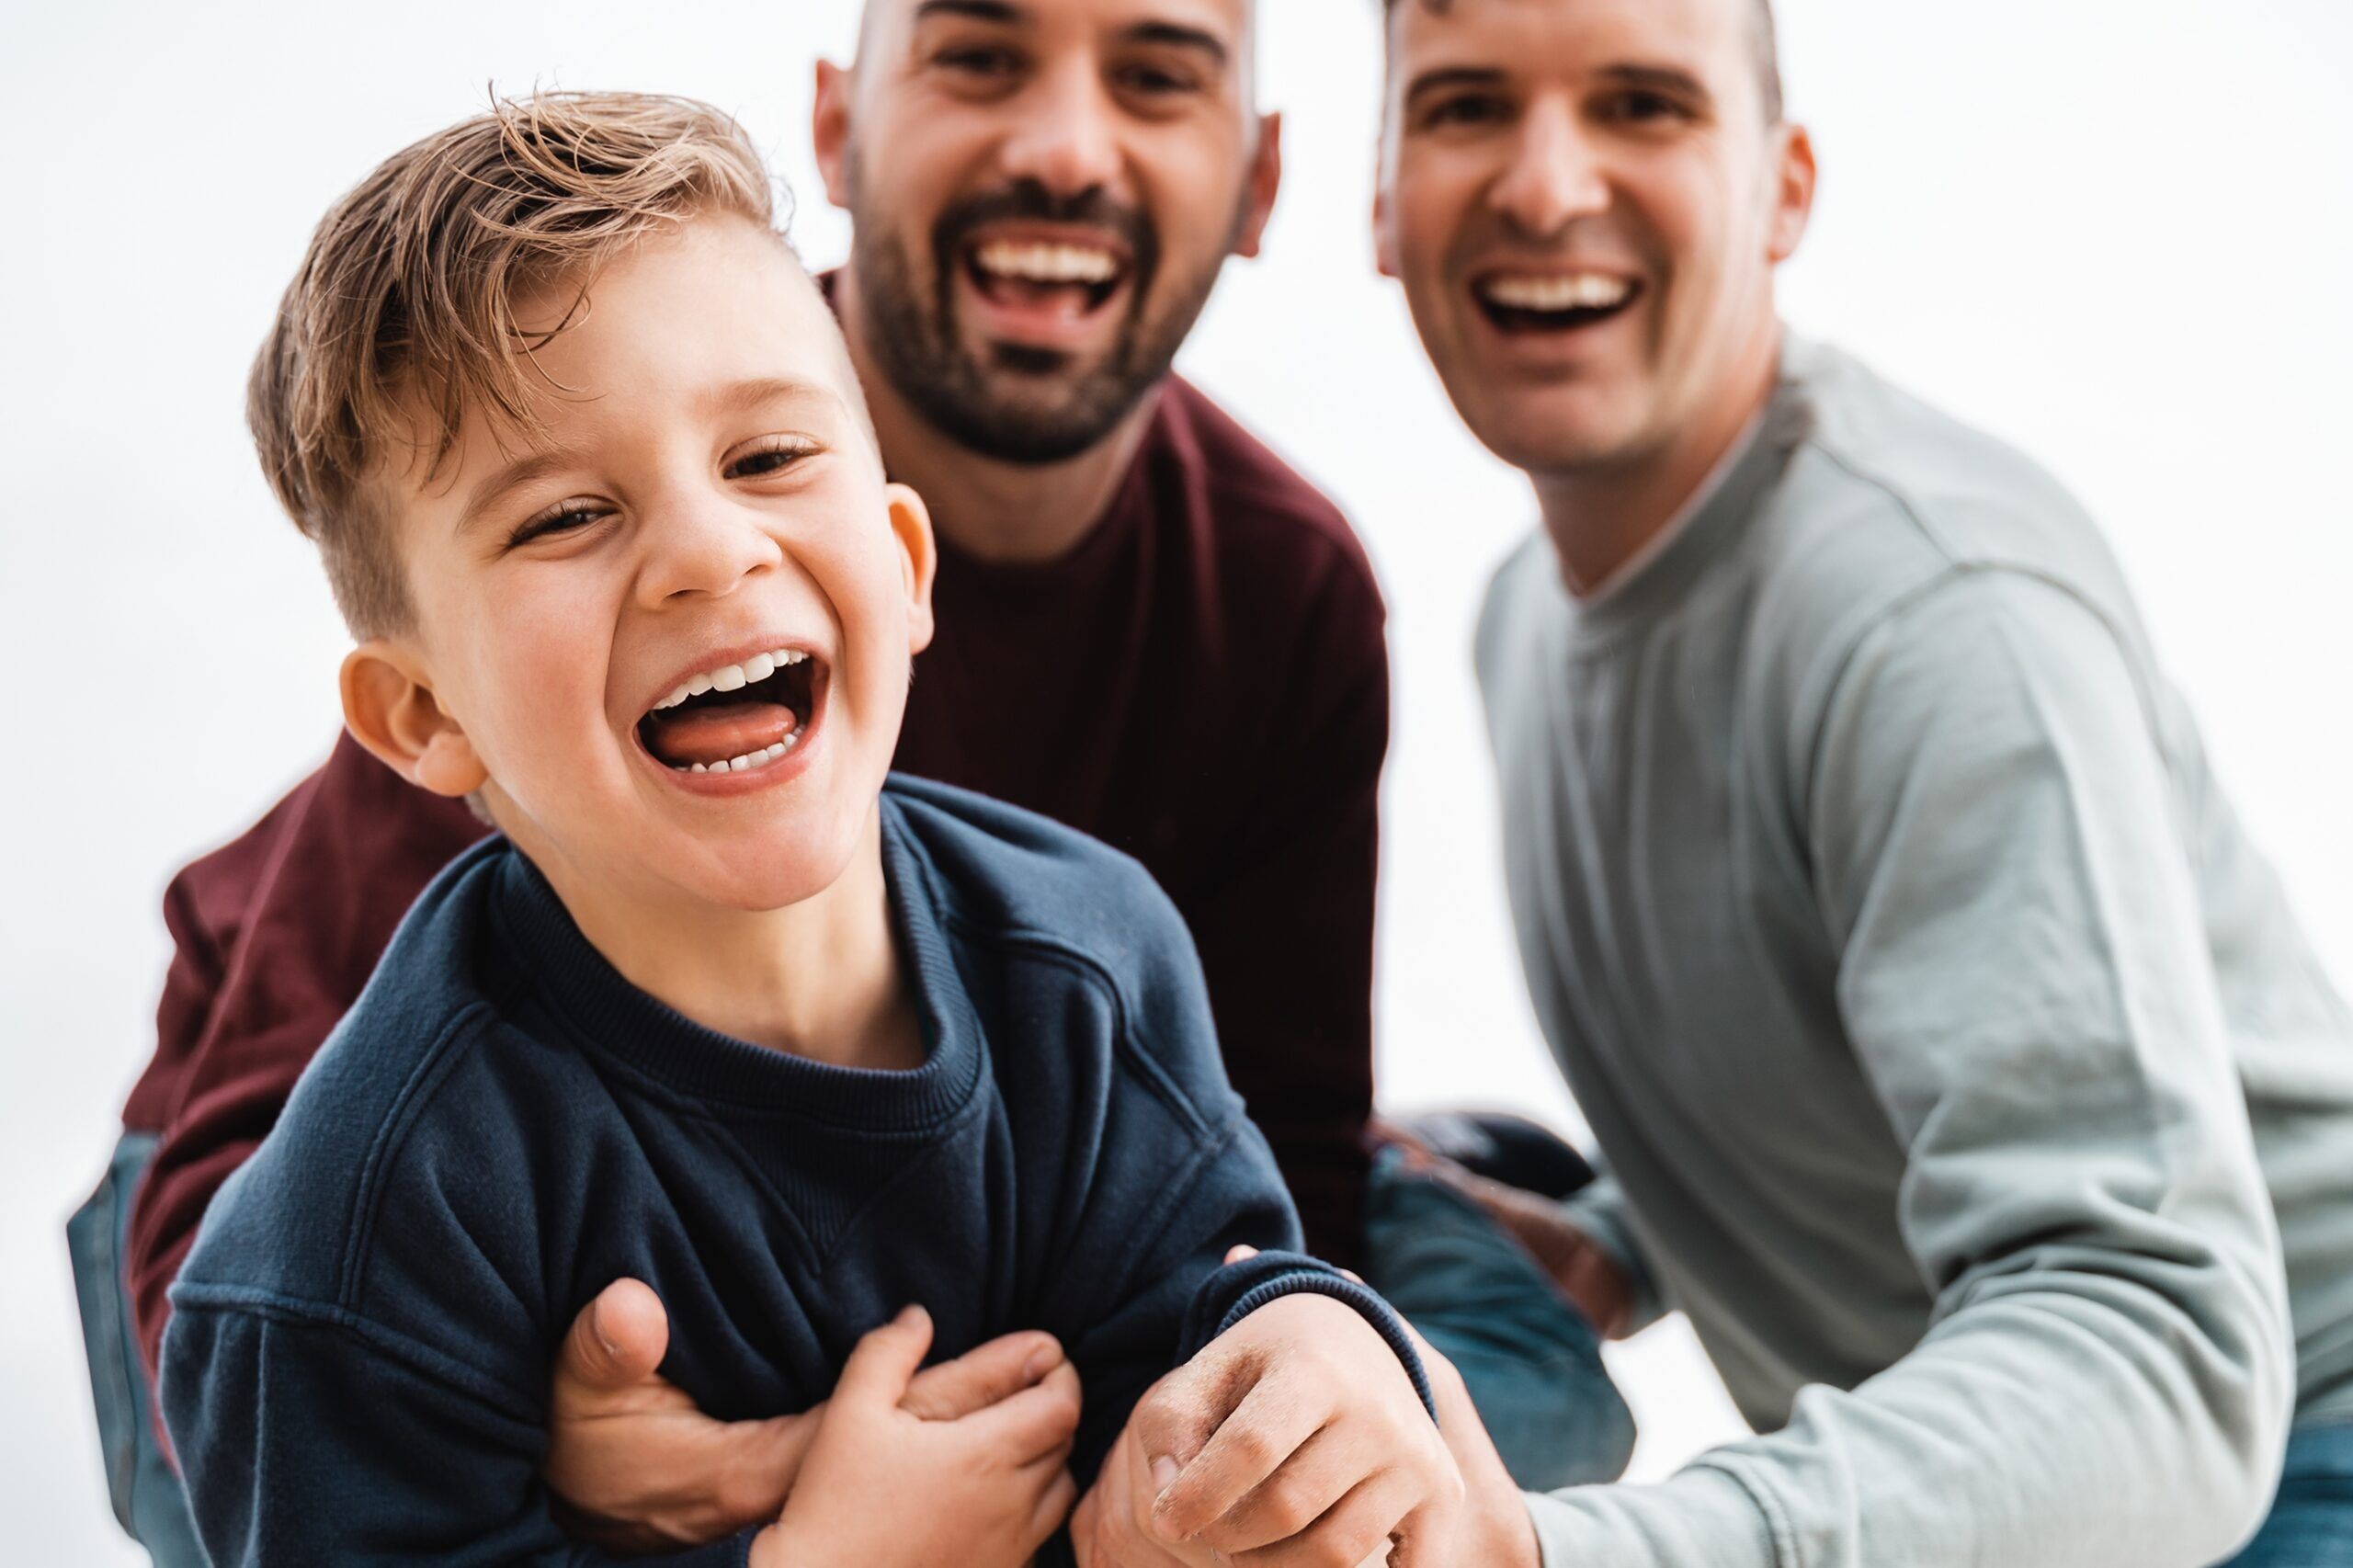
[(358, 1360)]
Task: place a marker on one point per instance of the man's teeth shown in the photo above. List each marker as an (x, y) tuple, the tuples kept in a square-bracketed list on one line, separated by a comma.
[(734, 678), (1037, 263), (749, 760), (1573, 292)]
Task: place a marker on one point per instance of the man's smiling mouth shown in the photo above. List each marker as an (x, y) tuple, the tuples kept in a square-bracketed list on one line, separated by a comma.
[(1557, 301), (1069, 277), (735, 718)]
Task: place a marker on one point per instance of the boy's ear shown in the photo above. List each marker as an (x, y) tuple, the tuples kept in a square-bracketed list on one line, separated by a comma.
[(918, 560), (392, 710), (829, 130)]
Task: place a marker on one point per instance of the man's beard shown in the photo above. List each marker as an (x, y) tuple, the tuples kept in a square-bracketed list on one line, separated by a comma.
[(1014, 404)]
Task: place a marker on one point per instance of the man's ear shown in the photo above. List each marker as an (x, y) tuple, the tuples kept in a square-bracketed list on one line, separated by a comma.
[(829, 129), (1265, 184), (1384, 234), (918, 560), (392, 710), (1793, 194)]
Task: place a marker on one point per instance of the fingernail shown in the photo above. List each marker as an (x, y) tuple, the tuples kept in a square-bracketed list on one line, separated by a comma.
[(1164, 1473), (596, 1326), (1043, 1360)]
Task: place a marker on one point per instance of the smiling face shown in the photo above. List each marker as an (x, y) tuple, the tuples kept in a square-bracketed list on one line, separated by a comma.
[(1043, 193), (1584, 201), (666, 634)]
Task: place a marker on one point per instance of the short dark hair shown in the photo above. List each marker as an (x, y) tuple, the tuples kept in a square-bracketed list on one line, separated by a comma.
[(1763, 37)]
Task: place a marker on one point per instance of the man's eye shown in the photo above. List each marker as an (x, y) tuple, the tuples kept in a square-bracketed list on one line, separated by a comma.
[(769, 460), (980, 62), (1645, 109), (569, 518), (1154, 81), (1468, 109)]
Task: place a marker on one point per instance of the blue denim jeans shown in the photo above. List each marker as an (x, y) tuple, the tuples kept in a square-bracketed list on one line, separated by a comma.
[(2312, 1518), (1530, 1361), (148, 1498)]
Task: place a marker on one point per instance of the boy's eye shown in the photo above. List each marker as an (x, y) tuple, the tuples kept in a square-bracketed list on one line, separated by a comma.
[(567, 516), (769, 457)]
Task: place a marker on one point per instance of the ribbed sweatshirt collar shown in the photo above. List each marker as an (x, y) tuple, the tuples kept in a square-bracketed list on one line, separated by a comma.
[(531, 930)]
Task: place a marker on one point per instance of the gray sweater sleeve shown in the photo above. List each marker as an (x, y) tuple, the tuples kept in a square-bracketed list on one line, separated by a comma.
[(2108, 1375)]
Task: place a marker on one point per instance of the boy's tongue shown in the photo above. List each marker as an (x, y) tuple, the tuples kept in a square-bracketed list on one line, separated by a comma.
[(717, 732)]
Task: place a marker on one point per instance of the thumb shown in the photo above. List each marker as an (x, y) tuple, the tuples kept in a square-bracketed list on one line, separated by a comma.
[(618, 1340), (884, 1361)]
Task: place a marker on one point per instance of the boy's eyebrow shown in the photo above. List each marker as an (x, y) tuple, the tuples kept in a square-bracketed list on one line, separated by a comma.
[(523, 470), (742, 397)]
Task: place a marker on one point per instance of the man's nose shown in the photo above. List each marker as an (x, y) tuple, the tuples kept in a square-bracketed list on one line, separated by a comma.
[(702, 546), (1066, 136), (1555, 177)]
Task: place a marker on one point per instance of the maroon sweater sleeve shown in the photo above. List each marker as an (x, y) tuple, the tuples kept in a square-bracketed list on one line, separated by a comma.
[(273, 936)]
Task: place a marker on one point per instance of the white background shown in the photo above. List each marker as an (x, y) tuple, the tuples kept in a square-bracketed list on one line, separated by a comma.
[(2117, 231)]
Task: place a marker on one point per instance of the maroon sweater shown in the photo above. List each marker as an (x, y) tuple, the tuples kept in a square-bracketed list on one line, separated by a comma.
[(1202, 682)]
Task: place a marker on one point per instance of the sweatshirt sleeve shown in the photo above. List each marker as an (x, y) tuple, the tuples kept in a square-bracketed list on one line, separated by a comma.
[(307, 1435), (2108, 1377)]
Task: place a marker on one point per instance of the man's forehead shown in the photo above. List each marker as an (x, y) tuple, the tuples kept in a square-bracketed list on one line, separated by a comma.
[(1535, 32), (1229, 19)]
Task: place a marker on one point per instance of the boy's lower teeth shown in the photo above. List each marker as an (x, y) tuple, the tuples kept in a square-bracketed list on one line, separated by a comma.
[(745, 763)]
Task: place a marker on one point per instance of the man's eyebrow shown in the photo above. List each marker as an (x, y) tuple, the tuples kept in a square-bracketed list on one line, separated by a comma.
[(972, 10), (1179, 36), (1672, 80), (522, 471), (1448, 77)]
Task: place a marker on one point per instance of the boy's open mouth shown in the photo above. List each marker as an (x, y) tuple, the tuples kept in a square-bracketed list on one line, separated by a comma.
[(737, 717)]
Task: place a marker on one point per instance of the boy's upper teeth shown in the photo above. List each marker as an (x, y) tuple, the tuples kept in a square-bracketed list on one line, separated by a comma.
[(1566, 291), (1037, 262), (734, 677)]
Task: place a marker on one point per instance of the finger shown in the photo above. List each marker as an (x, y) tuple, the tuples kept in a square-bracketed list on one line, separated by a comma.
[(1053, 1506), (618, 1340), (1307, 1486), (1240, 1253), (1264, 1430), (884, 1361), (981, 1376), (1033, 1422), (1355, 1529)]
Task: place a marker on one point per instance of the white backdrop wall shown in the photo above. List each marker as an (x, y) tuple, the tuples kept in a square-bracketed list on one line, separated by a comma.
[(2117, 231)]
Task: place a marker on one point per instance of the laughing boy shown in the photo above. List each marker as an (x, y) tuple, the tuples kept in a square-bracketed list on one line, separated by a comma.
[(848, 1069)]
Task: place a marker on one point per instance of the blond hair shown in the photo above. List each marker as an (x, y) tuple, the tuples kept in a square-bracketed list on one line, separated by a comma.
[(402, 315)]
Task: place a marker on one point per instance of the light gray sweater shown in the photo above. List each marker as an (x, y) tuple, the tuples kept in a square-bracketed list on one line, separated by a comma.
[(1959, 1066)]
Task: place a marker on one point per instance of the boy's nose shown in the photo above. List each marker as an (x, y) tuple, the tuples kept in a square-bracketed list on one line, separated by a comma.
[(703, 549)]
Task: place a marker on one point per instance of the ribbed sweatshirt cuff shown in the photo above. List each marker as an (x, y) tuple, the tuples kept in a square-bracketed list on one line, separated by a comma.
[(1240, 1289)]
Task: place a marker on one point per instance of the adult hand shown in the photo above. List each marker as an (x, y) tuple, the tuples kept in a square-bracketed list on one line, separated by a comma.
[(1489, 1527), (1295, 1438), (637, 1468), (1579, 1266)]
